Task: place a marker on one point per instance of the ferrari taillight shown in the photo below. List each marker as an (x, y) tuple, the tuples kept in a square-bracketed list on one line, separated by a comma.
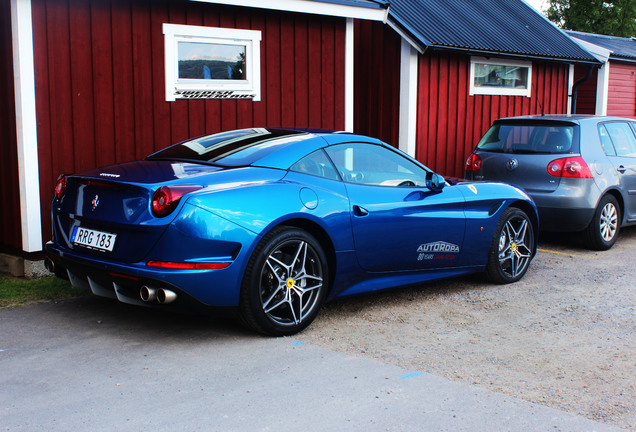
[(60, 186), (570, 167), (473, 163), (166, 198)]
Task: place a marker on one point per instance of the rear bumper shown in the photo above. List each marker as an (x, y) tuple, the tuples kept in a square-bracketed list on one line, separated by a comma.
[(195, 289), (124, 287), (564, 219), (195, 236), (569, 208)]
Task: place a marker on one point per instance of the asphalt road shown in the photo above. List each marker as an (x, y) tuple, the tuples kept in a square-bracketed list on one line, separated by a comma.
[(94, 364)]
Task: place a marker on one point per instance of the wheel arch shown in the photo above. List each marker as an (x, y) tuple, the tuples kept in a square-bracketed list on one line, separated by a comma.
[(528, 209), (323, 238), (619, 198)]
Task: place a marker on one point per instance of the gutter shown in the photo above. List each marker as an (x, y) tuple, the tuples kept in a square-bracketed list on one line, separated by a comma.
[(500, 54)]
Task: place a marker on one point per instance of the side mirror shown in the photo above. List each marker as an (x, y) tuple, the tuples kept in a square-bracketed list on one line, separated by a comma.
[(435, 182)]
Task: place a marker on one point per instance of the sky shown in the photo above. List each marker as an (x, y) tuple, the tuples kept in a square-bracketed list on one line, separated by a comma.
[(538, 4)]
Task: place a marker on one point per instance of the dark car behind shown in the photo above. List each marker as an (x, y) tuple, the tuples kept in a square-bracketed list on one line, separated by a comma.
[(580, 170)]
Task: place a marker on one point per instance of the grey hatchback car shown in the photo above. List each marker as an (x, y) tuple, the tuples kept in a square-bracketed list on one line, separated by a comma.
[(580, 170)]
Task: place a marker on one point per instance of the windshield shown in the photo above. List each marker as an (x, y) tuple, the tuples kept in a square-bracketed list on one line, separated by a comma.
[(230, 149), (530, 138)]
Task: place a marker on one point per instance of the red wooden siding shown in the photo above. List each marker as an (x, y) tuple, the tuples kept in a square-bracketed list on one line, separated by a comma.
[(450, 122), (621, 97), (586, 91), (100, 87), (10, 238), (377, 81)]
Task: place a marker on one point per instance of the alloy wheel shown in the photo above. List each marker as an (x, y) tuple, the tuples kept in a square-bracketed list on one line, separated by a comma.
[(515, 246), (608, 222), (291, 282)]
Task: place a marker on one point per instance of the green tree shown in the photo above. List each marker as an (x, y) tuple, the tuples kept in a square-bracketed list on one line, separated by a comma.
[(609, 17)]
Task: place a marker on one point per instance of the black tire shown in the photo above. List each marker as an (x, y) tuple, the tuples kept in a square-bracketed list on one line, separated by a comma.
[(285, 283), (512, 247), (602, 232)]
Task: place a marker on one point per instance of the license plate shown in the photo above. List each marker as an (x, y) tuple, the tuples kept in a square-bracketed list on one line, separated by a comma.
[(93, 239)]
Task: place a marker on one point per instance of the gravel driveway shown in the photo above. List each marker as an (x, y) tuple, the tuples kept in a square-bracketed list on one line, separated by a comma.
[(564, 336)]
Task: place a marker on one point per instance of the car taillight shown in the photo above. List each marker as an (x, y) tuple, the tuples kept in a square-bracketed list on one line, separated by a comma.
[(570, 167), (166, 198), (60, 186), (473, 163)]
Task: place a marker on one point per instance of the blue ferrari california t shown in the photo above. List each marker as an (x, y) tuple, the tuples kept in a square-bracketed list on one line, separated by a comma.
[(274, 222)]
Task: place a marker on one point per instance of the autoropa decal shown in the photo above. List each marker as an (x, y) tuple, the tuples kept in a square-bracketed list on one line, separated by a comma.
[(472, 188), (437, 250)]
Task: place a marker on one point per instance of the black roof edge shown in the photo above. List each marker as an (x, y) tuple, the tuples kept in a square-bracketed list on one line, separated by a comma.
[(622, 59)]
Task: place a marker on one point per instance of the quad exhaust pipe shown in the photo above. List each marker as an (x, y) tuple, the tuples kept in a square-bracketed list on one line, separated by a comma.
[(49, 264), (147, 293), (161, 295), (165, 296)]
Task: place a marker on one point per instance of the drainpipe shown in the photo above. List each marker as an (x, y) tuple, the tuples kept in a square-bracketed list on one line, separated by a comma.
[(577, 83)]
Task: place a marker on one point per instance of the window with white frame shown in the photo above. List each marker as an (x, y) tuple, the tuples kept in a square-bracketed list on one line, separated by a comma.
[(500, 77), (212, 63)]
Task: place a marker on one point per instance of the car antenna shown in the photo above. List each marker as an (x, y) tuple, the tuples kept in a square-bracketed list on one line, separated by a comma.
[(536, 91)]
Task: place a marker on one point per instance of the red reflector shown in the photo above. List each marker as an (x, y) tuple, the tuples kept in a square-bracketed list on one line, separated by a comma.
[(188, 266), (473, 163), (123, 276)]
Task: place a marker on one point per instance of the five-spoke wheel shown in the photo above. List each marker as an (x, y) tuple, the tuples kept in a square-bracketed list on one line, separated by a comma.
[(512, 247), (285, 283)]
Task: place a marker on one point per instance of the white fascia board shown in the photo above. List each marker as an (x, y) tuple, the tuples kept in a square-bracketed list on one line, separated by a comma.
[(349, 76), (408, 98), (602, 89), (26, 131), (310, 7), (406, 37), (602, 54)]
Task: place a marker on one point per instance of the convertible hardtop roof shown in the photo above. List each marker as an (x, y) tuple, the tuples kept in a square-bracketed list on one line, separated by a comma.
[(266, 147)]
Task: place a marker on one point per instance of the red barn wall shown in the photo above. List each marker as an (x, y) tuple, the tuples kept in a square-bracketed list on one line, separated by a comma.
[(10, 232), (450, 122), (621, 96), (100, 89), (377, 81), (586, 91)]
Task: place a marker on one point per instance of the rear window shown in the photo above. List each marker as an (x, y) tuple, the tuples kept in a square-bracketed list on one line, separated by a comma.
[(530, 139), (231, 149)]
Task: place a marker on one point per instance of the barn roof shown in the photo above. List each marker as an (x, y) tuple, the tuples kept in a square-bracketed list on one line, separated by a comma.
[(484, 27), (620, 48)]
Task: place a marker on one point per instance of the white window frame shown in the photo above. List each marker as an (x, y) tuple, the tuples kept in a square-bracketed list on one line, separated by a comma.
[(503, 91), (176, 88)]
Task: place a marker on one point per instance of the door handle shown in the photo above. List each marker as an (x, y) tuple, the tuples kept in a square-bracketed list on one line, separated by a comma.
[(360, 211), (621, 169)]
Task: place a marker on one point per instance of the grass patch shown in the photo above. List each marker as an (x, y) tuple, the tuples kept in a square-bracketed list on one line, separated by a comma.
[(19, 292)]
